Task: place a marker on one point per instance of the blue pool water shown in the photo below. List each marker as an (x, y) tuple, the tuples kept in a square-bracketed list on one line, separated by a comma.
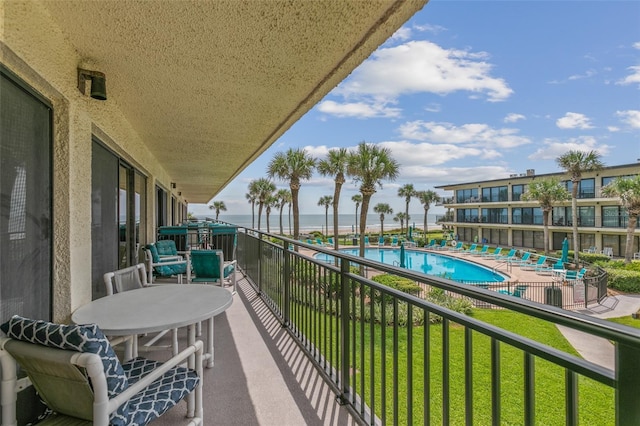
[(427, 263)]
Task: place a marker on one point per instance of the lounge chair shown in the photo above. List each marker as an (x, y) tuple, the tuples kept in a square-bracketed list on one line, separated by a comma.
[(366, 240), (494, 254), (531, 266), (319, 242), (442, 246), (457, 247), (330, 242), (548, 270), (432, 244), (394, 242), (380, 241), (507, 257), (519, 261), (473, 248), (518, 291), (481, 252)]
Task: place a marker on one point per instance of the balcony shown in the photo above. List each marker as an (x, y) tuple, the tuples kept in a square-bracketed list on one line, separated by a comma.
[(285, 351)]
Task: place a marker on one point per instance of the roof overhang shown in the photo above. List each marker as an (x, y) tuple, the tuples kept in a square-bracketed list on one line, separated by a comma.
[(209, 85)]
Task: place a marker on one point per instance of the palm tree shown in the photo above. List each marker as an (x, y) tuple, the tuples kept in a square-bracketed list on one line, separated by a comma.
[(264, 188), (547, 192), (269, 202), (575, 163), (289, 203), (218, 206), (335, 165), (358, 200), (426, 199), (400, 217), (294, 165), (369, 165), (326, 201), (382, 209), (407, 191), (628, 189), (283, 196), (252, 197)]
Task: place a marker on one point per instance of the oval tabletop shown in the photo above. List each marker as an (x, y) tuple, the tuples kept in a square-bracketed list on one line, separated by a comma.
[(154, 308)]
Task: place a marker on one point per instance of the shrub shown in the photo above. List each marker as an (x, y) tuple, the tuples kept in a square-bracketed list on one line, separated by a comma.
[(623, 280), (457, 304), (399, 283)]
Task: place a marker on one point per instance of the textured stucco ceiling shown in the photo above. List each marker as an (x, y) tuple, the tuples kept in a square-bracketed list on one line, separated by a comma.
[(209, 85)]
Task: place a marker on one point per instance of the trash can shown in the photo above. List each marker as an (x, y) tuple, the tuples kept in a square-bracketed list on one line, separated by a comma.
[(354, 241), (553, 296)]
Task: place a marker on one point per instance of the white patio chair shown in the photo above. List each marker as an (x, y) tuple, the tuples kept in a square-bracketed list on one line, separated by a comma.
[(79, 377), (131, 278)]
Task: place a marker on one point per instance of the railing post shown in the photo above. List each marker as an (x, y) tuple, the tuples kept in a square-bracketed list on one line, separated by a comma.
[(260, 256), (345, 314), (286, 281), (628, 381)]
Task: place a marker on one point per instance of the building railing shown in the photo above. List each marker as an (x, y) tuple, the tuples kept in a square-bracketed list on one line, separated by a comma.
[(376, 348), (598, 221)]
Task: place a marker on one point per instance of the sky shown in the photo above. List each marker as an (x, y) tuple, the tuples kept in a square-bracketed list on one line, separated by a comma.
[(476, 90)]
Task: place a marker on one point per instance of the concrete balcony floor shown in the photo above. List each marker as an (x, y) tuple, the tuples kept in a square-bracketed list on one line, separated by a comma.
[(260, 376)]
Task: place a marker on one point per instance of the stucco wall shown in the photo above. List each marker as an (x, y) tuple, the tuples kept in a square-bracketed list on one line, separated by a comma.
[(36, 50)]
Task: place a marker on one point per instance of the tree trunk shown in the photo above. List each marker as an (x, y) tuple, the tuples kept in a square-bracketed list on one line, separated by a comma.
[(281, 230), (363, 220), (545, 229), (296, 212), (631, 229), (253, 215), (426, 210), (574, 214), (336, 201), (407, 213), (259, 214)]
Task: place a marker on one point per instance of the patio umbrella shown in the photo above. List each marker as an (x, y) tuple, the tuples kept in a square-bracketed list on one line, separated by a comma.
[(402, 261), (565, 250)]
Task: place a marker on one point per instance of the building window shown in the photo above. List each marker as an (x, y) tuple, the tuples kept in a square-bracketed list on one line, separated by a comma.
[(608, 179), (467, 195), (586, 187), (516, 192), (495, 194), (467, 215), (527, 215), (495, 215), (614, 217)]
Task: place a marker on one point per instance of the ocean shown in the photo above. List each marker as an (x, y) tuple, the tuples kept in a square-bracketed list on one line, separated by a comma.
[(316, 222)]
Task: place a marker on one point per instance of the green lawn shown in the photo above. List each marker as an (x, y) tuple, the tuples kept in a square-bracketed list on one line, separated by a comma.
[(626, 320), (596, 401)]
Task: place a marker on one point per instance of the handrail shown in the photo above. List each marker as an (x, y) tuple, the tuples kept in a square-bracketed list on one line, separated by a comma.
[(271, 271)]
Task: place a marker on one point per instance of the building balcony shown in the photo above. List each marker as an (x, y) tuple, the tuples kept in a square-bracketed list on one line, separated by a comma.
[(298, 347)]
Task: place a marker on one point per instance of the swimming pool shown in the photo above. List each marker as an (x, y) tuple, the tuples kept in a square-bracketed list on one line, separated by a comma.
[(427, 263)]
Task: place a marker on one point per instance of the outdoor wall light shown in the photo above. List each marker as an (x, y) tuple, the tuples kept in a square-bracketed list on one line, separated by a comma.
[(173, 185), (98, 83)]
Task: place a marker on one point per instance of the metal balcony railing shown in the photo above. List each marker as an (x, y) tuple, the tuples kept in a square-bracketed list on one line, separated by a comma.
[(376, 347)]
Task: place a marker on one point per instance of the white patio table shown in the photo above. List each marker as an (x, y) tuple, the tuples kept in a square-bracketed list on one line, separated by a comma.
[(157, 308)]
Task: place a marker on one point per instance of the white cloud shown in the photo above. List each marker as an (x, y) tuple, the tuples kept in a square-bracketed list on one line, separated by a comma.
[(402, 34), (553, 148), (512, 118), (358, 109), (574, 120), (423, 67), (434, 176), (634, 78), (429, 28), (613, 129), (474, 134), (319, 151), (587, 74), (433, 107), (630, 117), (428, 154), (636, 45)]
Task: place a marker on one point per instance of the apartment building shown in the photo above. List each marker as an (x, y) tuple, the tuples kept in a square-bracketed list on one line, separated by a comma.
[(492, 211)]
